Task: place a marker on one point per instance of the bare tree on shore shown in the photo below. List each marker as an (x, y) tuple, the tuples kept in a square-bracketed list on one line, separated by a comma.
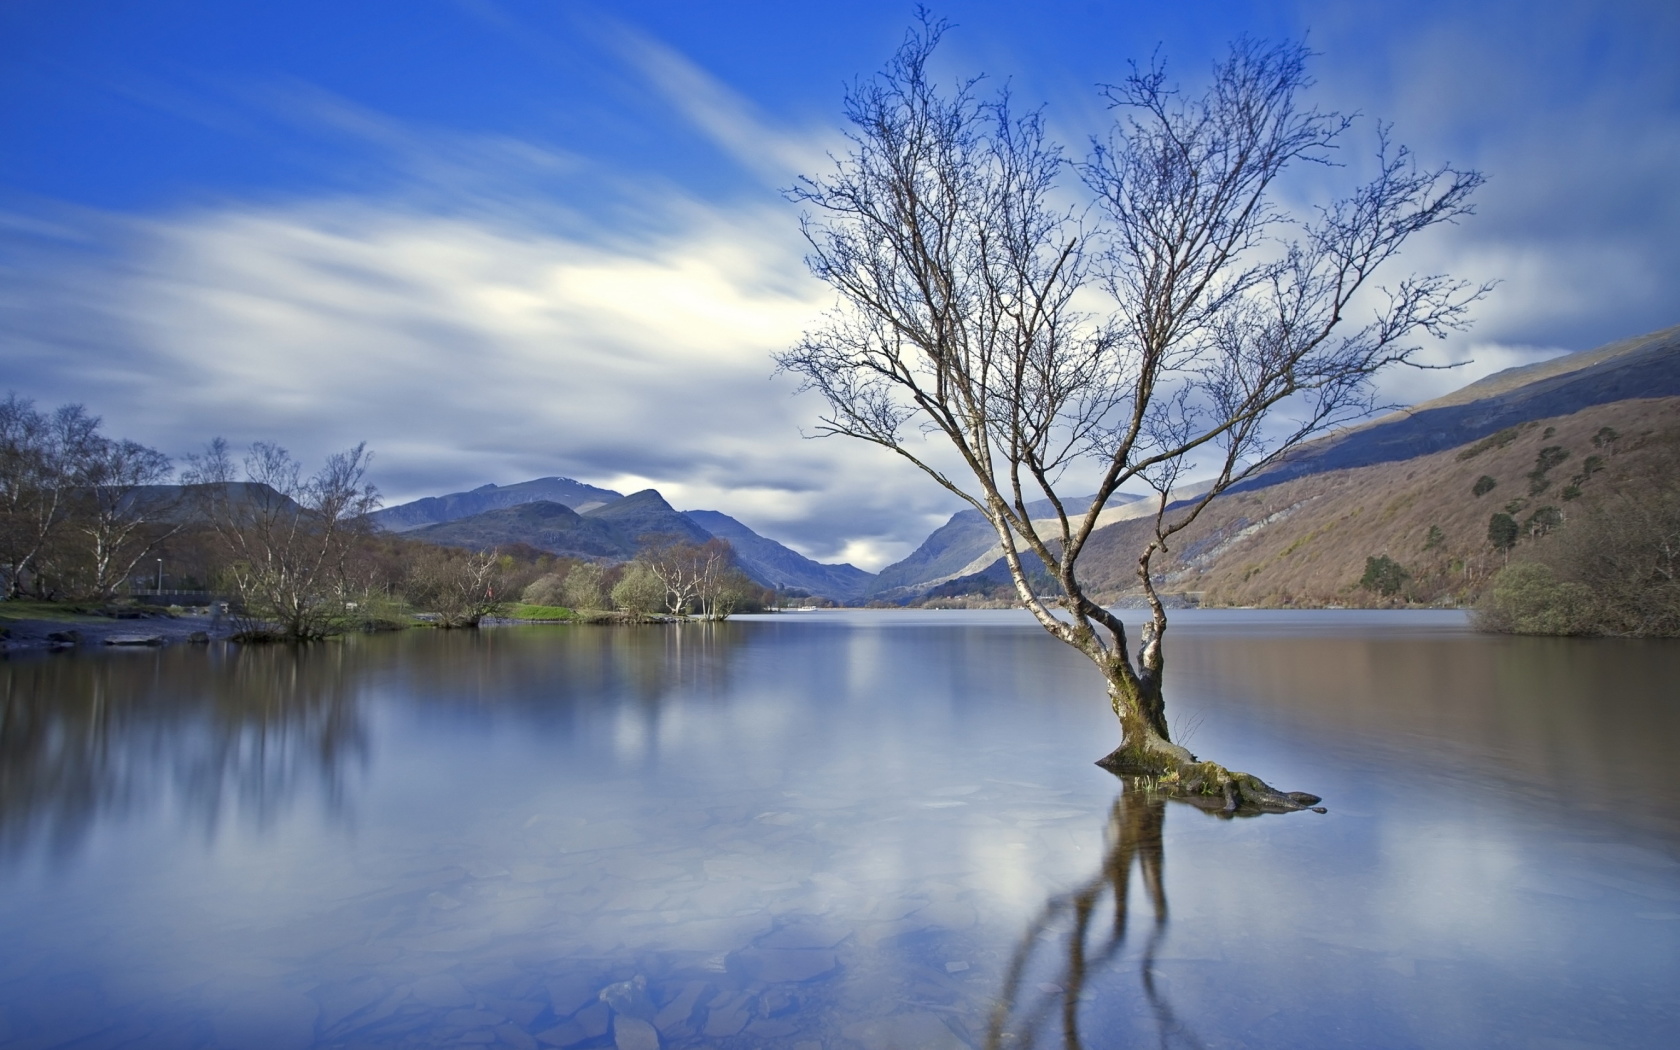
[(288, 538)]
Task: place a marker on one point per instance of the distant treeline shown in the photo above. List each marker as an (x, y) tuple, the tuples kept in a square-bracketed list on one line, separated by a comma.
[(91, 518)]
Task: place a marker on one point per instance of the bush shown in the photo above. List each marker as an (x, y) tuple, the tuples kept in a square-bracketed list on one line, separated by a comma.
[(1384, 575), (586, 587), (1484, 485), (549, 589), (639, 592), (1502, 532), (1626, 550), (1614, 570), (1528, 598), (1543, 521)]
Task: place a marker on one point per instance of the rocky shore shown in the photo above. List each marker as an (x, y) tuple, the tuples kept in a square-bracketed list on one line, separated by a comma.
[(136, 629)]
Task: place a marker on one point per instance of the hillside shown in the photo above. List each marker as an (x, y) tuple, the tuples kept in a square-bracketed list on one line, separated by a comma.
[(434, 510), (778, 566), (1644, 367), (1306, 541)]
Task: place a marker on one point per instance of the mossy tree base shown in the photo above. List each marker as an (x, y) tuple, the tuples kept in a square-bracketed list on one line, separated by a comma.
[(1205, 785)]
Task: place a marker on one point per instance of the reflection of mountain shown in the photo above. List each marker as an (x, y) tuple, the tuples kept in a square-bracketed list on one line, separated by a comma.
[(546, 679), (86, 738), (1043, 990), (252, 731)]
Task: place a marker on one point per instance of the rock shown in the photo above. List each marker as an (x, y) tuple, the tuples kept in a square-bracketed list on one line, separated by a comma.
[(729, 1016), (806, 935), (777, 1001), (631, 1033), (786, 965), (199, 638), (65, 637), (134, 639), (590, 1023), (912, 1031), (629, 998), (568, 995), (679, 1010), (440, 991), (515, 1036)]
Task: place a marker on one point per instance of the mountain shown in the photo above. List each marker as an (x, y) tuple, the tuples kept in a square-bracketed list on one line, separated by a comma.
[(778, 566), (609, 530), (187, 504), (967, 545), (436, 509), (949, 551), (615, 531), (1643, 367), (646, 513), (544, 524)]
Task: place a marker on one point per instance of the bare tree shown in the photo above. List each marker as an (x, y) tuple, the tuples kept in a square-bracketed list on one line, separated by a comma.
[(461, 587), (43, 461), (120, 516), (289, 538), (968, 311), (697, 576)]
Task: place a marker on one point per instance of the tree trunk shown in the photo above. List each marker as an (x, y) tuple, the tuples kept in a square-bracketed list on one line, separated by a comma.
[(1147, 752), (1146, 747)]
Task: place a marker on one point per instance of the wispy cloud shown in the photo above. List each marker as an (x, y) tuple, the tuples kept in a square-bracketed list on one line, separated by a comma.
[(730, 120)]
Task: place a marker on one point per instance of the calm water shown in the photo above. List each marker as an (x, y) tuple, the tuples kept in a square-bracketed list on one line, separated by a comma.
[(846, 831)]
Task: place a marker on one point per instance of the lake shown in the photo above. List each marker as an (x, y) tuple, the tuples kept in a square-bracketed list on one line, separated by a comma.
[(849, 830)]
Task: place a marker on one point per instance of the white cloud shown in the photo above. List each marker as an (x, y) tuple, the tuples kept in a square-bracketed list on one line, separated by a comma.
[(465, 351)]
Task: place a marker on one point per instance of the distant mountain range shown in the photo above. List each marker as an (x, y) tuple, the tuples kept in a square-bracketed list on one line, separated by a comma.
[(434, 510), (570, 518), (778, 566), (967, 545)]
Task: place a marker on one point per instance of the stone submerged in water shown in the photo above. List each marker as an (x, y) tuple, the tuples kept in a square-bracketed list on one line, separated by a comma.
[(785, 965), (632, 1033)]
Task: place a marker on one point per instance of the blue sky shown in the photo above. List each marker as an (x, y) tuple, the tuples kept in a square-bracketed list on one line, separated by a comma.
[(499, 239)]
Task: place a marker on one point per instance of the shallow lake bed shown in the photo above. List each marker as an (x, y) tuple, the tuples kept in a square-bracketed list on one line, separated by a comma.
[(838, 830)]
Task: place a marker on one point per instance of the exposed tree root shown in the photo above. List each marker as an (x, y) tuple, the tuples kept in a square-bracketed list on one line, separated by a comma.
[(1206, 785)]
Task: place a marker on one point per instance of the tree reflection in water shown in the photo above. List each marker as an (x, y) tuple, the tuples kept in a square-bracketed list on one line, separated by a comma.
[(85, 739), (1024, 1013)]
